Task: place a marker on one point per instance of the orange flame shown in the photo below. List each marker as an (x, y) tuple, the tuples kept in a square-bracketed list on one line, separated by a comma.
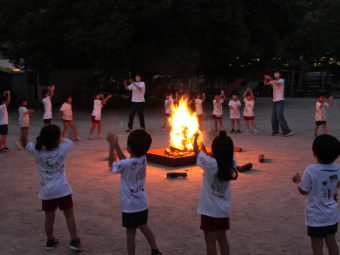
[(184, 124)]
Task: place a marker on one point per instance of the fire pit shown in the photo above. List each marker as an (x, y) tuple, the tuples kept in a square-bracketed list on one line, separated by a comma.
[(183, 125)]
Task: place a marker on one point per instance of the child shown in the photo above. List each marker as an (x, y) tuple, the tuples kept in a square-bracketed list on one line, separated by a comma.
[(66, 111), (321, 108), (235, 115), (96, 116), (215, 199), (47, 95), (133, 196), (5, 99), (24, 120), (218, 110), (50, 153), (319, 183), (248, 112), (168, 103), (199, 100)]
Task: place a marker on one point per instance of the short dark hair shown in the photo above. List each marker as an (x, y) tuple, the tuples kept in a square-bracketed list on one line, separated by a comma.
[(23, 99), (326, 148), (66, 98), (139, 142), (49, 137), (44, 92)]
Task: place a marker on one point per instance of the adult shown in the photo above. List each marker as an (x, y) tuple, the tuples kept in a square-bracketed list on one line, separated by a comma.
[(137, 101), (278, 118)]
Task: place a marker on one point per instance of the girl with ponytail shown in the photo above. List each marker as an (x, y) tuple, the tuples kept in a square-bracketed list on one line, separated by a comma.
[(215, 199)]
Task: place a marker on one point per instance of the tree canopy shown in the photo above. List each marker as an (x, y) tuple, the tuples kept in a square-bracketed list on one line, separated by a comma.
[(166, 36)]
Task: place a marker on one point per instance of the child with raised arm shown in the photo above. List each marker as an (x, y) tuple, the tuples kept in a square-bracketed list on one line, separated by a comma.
[(133, 196), (235, 113), (248, 111), (5, 99), (67, 117), (320, 183), (199, 100), (215, 199), (218, 109), (47, 95), (55, 191), (96, 117), (168, 103), (321, 109), (24, 120)]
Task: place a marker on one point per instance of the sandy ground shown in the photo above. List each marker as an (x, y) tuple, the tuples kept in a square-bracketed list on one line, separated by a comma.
[(267, 211)]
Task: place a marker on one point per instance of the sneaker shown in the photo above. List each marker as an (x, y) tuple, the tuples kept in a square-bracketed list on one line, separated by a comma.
[(290, 133), (255, 132), (90, 137), (232, 131), (238, 131), (246, 132), (5, 149), (156, 252), (50, 244), (75, 245), (275, 134), (99, 137), (19, 146), (78, 139)]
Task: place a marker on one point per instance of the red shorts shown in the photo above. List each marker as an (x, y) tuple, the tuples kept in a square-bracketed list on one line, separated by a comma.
[(249, 118), (62, 202), (94, 121), (67, 121), (215, 117), (214, 224)]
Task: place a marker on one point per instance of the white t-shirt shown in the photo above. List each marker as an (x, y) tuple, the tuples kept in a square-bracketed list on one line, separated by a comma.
[(278, 90), (24, 117), (215, 198), (67, 111), (138, 91), (248, 110), (50, 166), (321, 112), (198, 106), (320, 181), (235, 112), (218, 109), (3, 115), (167, 105), (133, 196), (47, 108), (97, 109)]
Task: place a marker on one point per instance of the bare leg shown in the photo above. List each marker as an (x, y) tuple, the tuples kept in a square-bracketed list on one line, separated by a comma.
[(221, 124), (215, 125), (223, 242), (49, 222), (71, 223), (131, 241), (63, 134), (238, 124), (253, 124), (1, 142), (332, 245), (317, 245), (232, 123), (93, 127), (316, 128), (100, 129), (324, 127), (74, 130), (210, 240), (246, 122), (149, 236)]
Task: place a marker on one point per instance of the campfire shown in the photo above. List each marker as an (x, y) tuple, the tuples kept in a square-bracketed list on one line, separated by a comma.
[(183, 125)]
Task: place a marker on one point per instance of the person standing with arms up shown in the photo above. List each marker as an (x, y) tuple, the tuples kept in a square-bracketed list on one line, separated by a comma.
[(278, 118), (137, 101)]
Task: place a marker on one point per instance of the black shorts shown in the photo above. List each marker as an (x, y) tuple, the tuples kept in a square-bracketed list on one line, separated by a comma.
[(3, 129), (62, 202), (47, 121), (134, 220), (320, 122), (322, 232), (214, 224)]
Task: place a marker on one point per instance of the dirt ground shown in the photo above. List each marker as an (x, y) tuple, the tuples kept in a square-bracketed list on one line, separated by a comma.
[(267, 212)]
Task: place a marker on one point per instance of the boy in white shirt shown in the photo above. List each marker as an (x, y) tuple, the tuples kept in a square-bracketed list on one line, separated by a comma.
[(235, 114), (320, 183), (321, 108), (133, 196), (47, 95), (137, 101), (67, 117), (5, 99), (96, 117), (199, 100), (248, 111), (24, 120), (218, 110)]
